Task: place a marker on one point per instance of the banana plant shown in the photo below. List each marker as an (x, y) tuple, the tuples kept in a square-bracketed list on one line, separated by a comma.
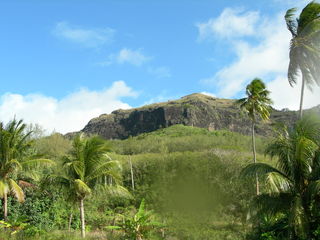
[(140, 225)]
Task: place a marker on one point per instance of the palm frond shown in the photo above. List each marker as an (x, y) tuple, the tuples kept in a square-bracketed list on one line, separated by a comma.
[(304, 154), (115, 191), (277, 183), (94, 152), (59, 179), (281, 148), (309, 127), (77, 167), (31, 163), (12, 165), (273, 204), (314, 188), (111, 168), (261, 169), (308, 14), (291, 21), (16, 190), (3, 188)]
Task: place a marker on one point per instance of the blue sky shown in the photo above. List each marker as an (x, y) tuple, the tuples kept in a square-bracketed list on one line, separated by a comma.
[(66, 61)]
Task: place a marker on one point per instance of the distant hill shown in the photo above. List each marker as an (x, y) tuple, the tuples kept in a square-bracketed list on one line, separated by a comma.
[(192, 110)]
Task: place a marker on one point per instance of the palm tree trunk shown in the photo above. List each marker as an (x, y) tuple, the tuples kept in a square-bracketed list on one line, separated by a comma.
[(131, 170), (70, 222), (5, 207), (83, 226), (301, 97), (306, 207), (255, 157)]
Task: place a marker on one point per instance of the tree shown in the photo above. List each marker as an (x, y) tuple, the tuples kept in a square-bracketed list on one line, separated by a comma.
[(15, 157), (54, 146), (304, 47), (84, 167), (293, 184), (256, 104)]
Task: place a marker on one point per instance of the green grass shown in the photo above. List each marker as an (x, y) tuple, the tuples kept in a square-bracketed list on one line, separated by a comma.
[(53, 235)]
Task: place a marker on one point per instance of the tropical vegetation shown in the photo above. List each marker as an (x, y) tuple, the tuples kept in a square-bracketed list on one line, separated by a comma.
[(292, 185), (86, 165), (190, 183), (17, 161), (304, 47), (178, 182), (257, 104)]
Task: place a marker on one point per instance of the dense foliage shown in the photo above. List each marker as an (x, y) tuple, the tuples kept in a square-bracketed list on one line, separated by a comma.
[(188, 176), (190, 180), (293, 184)]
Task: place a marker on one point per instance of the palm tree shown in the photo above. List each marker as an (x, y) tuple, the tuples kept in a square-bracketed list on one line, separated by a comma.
[(256, 104), (294, 183), (84, 168), (304, 47), (15, 158)]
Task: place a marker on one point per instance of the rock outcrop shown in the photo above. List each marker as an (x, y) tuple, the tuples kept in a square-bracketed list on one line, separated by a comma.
[(193, 110)]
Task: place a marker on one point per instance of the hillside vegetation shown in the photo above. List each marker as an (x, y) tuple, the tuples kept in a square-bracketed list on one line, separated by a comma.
[(188, 176)]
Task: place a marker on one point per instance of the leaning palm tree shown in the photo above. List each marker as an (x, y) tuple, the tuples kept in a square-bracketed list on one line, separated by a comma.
[(304, 47), (15, 158), (293, 184), (84, 168), (256, 104)]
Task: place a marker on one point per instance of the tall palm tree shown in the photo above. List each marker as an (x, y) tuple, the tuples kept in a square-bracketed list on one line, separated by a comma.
[(256, 104), (84, 168), (15, 158), (294, 182), (304, 47)]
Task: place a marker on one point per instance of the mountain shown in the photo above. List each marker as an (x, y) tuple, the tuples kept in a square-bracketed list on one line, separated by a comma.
[(193, 110)]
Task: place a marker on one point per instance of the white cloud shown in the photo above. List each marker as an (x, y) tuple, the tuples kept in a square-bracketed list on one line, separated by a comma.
[(94, 37), (209, 94), (284, 96), (160, 72), (231, 23), (134, 57), (269, 57), (70, 113), (264, 55)]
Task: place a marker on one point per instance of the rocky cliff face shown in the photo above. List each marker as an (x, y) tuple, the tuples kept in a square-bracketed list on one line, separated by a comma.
[(193, 110)]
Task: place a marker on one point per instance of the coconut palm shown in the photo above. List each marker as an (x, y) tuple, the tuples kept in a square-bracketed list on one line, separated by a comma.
[(304, 47), (256, 104), (84, 168), (294, 183), (15, 158)]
